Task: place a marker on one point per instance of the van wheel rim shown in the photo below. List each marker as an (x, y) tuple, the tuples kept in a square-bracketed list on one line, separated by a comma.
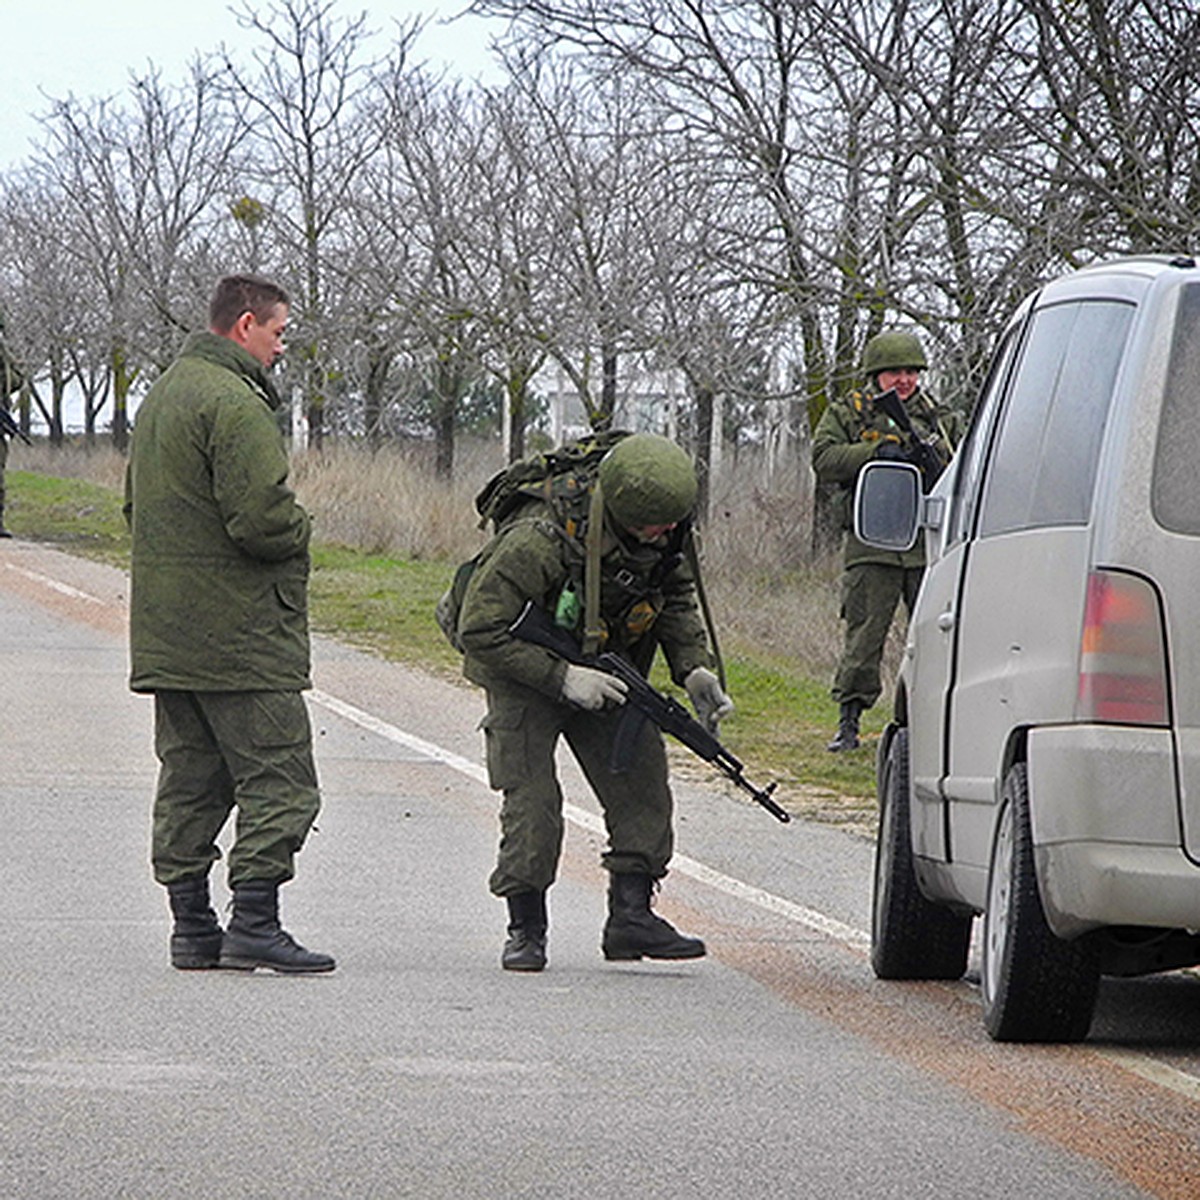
[(996, 919), (884, 837)]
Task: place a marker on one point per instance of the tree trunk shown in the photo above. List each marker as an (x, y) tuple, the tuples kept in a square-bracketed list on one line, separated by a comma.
[(447, 385), (121, 381)]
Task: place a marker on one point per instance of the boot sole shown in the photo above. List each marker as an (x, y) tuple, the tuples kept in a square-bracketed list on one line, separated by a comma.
[(661, 956), (251, 964)]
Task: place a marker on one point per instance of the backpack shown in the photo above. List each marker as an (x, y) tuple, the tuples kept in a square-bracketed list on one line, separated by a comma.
[(561, 477)]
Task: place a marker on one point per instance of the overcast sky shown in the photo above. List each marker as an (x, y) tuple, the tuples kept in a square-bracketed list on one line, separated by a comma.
[(87, 48)]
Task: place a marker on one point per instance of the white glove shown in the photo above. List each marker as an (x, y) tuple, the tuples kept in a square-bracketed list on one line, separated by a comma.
[(588, 688), (709, 701)]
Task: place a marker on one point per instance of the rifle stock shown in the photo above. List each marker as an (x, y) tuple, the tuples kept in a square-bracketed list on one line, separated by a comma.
[(645, 702)]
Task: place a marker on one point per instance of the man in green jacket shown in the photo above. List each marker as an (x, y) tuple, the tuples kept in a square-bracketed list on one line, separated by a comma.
[(647, 599), (219, 632), (850, 433)]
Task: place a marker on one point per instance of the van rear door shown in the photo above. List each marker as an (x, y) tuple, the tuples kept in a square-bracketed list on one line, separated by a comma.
[(1023, 590), (1168, 551)]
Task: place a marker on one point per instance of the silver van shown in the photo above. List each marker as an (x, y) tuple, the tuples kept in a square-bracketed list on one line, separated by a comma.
[(1042, 765)]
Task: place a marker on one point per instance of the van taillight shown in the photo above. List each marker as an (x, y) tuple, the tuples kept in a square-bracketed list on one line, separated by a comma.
[(1122, 663)]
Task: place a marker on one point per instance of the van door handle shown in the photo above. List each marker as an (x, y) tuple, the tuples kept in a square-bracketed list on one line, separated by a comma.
[(945, 621)]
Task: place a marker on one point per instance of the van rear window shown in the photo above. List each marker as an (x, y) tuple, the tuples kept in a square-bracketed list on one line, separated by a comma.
[(1044, 466), (1174, 496)]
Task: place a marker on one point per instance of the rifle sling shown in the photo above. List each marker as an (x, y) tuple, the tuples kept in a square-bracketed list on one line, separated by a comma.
[(693, 557), (593, 631)]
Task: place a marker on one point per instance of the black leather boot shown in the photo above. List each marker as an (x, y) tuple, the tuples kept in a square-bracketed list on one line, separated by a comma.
[(525, 949), (846, 737), (255, 939), (196, 936), (633, 931)]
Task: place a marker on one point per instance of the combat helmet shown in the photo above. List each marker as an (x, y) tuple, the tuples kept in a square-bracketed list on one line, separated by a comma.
[(892, 350), (647, 480)]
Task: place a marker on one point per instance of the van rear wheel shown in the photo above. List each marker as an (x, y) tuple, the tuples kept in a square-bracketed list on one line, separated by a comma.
[(911, 936), (1036, 987)]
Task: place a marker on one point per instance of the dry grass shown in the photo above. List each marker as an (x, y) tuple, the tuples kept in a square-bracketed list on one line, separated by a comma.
[(101, 464), (765, 590), (391, 502)]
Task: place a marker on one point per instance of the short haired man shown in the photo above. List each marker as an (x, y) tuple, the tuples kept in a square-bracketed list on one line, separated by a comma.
[(219, 632)]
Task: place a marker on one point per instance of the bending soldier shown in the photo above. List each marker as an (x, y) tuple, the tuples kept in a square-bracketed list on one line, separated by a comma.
[(644, 492)]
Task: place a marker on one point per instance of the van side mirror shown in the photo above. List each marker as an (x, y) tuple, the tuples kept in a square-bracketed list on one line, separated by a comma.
[(887, 505)]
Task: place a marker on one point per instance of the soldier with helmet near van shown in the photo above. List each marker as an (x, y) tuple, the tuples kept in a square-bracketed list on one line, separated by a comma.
[(612, 562), (851, 432)]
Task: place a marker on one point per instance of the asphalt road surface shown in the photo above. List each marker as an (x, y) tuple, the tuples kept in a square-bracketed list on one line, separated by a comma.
[(776, 1067)]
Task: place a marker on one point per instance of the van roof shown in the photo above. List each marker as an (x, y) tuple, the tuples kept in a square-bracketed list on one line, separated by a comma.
[(1143, 264)]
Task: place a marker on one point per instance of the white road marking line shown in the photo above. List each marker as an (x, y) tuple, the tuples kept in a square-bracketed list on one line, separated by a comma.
[(464, 766), (64, 589), (1141, 1065), (854, 939), (809, 918), (1156, 1072)]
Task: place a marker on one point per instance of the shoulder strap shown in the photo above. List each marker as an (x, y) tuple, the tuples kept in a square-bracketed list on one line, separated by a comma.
[(693, 557), (593, 631)]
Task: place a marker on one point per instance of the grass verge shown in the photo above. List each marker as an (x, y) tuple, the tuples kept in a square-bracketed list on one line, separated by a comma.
[(385, 604)]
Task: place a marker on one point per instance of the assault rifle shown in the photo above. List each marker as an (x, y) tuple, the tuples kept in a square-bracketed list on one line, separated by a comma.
[(9, 427), (642, 700), (923, 454)]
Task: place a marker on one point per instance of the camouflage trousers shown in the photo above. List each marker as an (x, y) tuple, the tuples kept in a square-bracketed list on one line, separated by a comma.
[(221, 750), (521, 729), (870, 594)]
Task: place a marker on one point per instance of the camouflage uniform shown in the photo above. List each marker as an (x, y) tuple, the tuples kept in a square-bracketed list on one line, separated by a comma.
[(532, 560), (647, 600), (851, 433)]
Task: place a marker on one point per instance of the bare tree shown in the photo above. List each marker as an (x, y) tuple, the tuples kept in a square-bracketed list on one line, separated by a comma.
[(509, 256), (589, 147), (1119, 123), (429, 154), (136, 181), (306, 96)]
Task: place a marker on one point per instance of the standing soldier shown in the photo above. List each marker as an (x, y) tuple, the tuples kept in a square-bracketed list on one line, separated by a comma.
[(617, 562), (849, 434), (218, 630), (10, 381)]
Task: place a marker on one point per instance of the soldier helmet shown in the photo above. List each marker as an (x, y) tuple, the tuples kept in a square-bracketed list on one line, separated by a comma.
[(891, 351), (647, 480)]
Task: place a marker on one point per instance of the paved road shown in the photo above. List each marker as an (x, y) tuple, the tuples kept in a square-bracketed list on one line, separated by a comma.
[(776, 1067)]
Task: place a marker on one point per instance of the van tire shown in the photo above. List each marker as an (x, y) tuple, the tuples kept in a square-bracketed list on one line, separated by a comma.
[(1037, 987), (911, 936)]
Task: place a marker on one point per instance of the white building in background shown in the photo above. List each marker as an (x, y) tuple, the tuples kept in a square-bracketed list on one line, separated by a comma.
[(653, 400)]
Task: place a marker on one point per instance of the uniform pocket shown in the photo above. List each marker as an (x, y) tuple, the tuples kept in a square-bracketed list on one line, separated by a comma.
[(506, 745), (292, 595)]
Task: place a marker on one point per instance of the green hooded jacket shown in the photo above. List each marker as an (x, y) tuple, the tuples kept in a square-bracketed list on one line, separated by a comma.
[(218, 600)]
